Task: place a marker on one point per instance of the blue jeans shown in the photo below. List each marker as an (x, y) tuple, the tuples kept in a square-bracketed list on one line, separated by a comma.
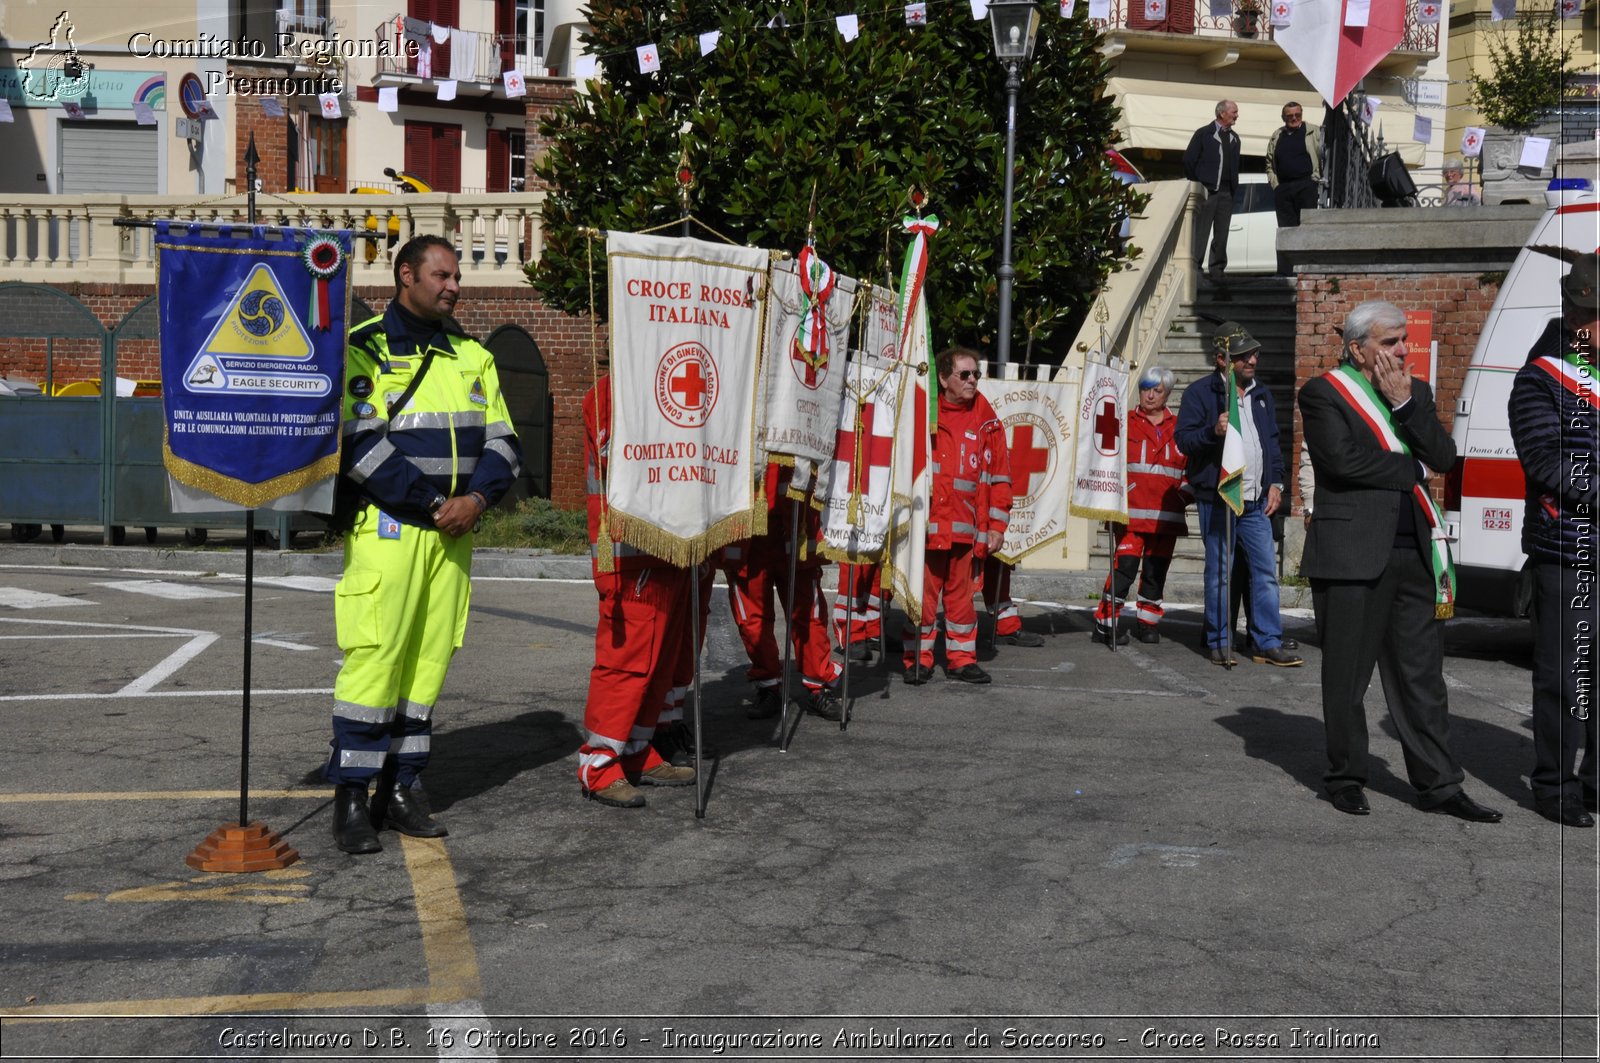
[(1252, 534)]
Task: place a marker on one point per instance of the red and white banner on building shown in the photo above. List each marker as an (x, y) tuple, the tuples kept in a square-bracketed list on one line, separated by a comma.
[(1100, 471), (685, 345), (1038, 419), (808, 335), (1332, 51)]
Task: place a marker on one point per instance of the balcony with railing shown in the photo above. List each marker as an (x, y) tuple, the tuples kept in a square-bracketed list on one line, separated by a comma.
[(476, 70), (1188, 26), (63, 239)]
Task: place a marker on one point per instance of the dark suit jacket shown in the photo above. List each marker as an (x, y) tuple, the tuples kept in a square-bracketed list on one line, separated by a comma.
[(1360, 485)]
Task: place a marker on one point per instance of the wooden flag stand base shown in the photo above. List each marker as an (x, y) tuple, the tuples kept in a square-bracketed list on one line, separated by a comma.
[(234, 848)]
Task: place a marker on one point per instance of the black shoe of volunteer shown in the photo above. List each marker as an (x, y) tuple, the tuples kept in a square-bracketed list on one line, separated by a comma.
[(918, 674), (1147, 634), (970, 673), (769, 702), (1102, 635), (825, 703), (1021, 638), (352, 821), (862, 652), (1463, 807), (406, 811)]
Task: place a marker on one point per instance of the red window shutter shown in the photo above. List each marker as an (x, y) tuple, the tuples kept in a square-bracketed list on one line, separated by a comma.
[(1180, 17), (447, 159), (505, 27), (499, 161), (419, 150)]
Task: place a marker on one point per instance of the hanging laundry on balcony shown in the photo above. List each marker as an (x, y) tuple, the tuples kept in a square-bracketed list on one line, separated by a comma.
[(441, 34), (1334, 55), (414, 29), (425, 59), (463, 55)]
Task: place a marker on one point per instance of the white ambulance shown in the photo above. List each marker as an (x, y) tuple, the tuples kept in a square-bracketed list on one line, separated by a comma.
[(1483, 492)]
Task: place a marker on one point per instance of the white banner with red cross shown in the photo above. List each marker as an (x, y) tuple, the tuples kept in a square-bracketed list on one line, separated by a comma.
[(808, 336), (1100, 468), (1039, 423), (686, 334), (855, 486)]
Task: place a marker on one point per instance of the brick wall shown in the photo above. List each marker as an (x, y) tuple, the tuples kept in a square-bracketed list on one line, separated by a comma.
[(1460, 303), (563, 340), (272, 134)]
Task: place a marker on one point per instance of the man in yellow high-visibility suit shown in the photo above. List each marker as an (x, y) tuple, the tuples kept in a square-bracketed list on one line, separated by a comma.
[(429, 446)]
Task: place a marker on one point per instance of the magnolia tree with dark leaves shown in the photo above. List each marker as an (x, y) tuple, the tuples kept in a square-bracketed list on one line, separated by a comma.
[(780, 113)]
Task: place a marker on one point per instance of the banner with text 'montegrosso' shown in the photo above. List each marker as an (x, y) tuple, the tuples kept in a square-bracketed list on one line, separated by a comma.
[(686, 324), (253, 327)]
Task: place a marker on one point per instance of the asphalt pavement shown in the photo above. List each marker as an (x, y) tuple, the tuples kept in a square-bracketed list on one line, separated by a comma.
[(1102, 854)]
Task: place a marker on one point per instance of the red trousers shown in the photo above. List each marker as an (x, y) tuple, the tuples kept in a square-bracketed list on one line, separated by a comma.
[(858, 607), (947, 577), (1150, 555), (751, 587), (997, 596), (642, 623)]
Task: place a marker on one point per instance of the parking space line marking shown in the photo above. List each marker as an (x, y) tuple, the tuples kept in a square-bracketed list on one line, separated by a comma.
[(254, 692), (177, 592), (446, 942), (451, 960), (17, 598), (174, 661)]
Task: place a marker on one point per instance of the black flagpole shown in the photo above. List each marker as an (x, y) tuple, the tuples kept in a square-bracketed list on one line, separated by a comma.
[(251, 157)]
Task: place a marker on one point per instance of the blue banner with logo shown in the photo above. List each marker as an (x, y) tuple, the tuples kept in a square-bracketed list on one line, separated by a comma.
[(253, 332)]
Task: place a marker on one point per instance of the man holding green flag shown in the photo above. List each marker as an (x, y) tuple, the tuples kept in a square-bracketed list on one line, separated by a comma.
[(1228, 429)]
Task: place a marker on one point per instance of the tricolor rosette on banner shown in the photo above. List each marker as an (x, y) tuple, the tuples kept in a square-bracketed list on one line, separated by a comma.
[(855, 485), (1039, 422), (252, 389), (808, 335), (686, 329), (1100, 468)]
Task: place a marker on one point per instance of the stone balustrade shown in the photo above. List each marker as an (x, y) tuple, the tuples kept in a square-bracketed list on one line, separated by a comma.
[(53, 239)]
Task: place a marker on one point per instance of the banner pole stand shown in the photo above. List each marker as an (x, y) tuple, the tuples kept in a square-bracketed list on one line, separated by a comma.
[(245, 846), (694, 642)]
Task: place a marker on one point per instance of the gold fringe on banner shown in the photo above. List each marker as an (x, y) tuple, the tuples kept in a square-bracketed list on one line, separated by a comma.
[(851, 557), (758, 505), (675, 550), (605, 548), (1035, 548), (1098, 514), (243, 492)]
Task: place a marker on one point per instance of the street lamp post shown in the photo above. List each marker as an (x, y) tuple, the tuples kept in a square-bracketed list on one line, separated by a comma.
[(1016, 26)]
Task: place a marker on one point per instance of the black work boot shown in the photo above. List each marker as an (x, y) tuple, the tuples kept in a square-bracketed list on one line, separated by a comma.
[(406, 810), (352, 822)]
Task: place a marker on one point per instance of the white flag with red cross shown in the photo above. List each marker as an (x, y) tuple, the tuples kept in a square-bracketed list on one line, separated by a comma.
[(685, 343), (1428, 12), (1100, 468), (1334, 45), (1039, 423), (1472, 141), (855, 487), (1282, 14), (802, 378)]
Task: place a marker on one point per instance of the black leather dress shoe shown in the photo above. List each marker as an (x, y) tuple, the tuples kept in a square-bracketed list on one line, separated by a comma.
[(1566, 810), (1463, 807), (352, 821), (1351, 800), (1289, 643), (1147, 634), (918, 674), (406, 811), (1102, 635)]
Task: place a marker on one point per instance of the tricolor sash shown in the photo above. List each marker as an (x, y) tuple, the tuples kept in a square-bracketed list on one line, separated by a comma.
[(1355, 389), (916, 333), (1230, 473), (1572, 373)]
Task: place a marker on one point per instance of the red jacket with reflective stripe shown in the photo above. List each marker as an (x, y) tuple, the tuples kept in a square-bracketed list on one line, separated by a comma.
[(1157, 490), (597, 453), (971, 475)]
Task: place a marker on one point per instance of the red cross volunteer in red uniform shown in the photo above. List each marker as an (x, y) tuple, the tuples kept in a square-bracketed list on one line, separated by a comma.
[(1027, 460), (967, 518), (644, 613)]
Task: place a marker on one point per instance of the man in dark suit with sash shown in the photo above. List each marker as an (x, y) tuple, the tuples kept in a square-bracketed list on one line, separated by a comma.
[(1379, 565)]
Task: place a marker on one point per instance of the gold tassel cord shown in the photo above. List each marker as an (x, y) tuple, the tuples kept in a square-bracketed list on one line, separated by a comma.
[(605, 552)]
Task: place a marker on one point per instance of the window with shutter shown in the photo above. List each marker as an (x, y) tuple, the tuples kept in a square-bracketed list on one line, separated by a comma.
[(498, 150)]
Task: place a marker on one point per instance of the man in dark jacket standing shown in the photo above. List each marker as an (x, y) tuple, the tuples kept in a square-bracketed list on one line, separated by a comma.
[(1202, 429), (1212, 160), (1554, 426), (1379, 563)]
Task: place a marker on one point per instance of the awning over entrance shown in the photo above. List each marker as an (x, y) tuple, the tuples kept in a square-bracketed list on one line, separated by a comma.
[(1164, 115)]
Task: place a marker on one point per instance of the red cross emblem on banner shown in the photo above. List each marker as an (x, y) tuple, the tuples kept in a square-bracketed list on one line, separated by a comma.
[(686, 385), (1027, 460), (1282, 11), (1154, 9), (879, 452), (1108, 428), (807, 368)]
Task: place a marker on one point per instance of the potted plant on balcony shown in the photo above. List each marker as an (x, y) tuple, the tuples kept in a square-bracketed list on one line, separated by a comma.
[(1247, 17)]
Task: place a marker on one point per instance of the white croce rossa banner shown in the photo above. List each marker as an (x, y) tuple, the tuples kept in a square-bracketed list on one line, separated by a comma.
[(869, 398), (1100, 471), (685, 351), (808, 337), (1039, 424)]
